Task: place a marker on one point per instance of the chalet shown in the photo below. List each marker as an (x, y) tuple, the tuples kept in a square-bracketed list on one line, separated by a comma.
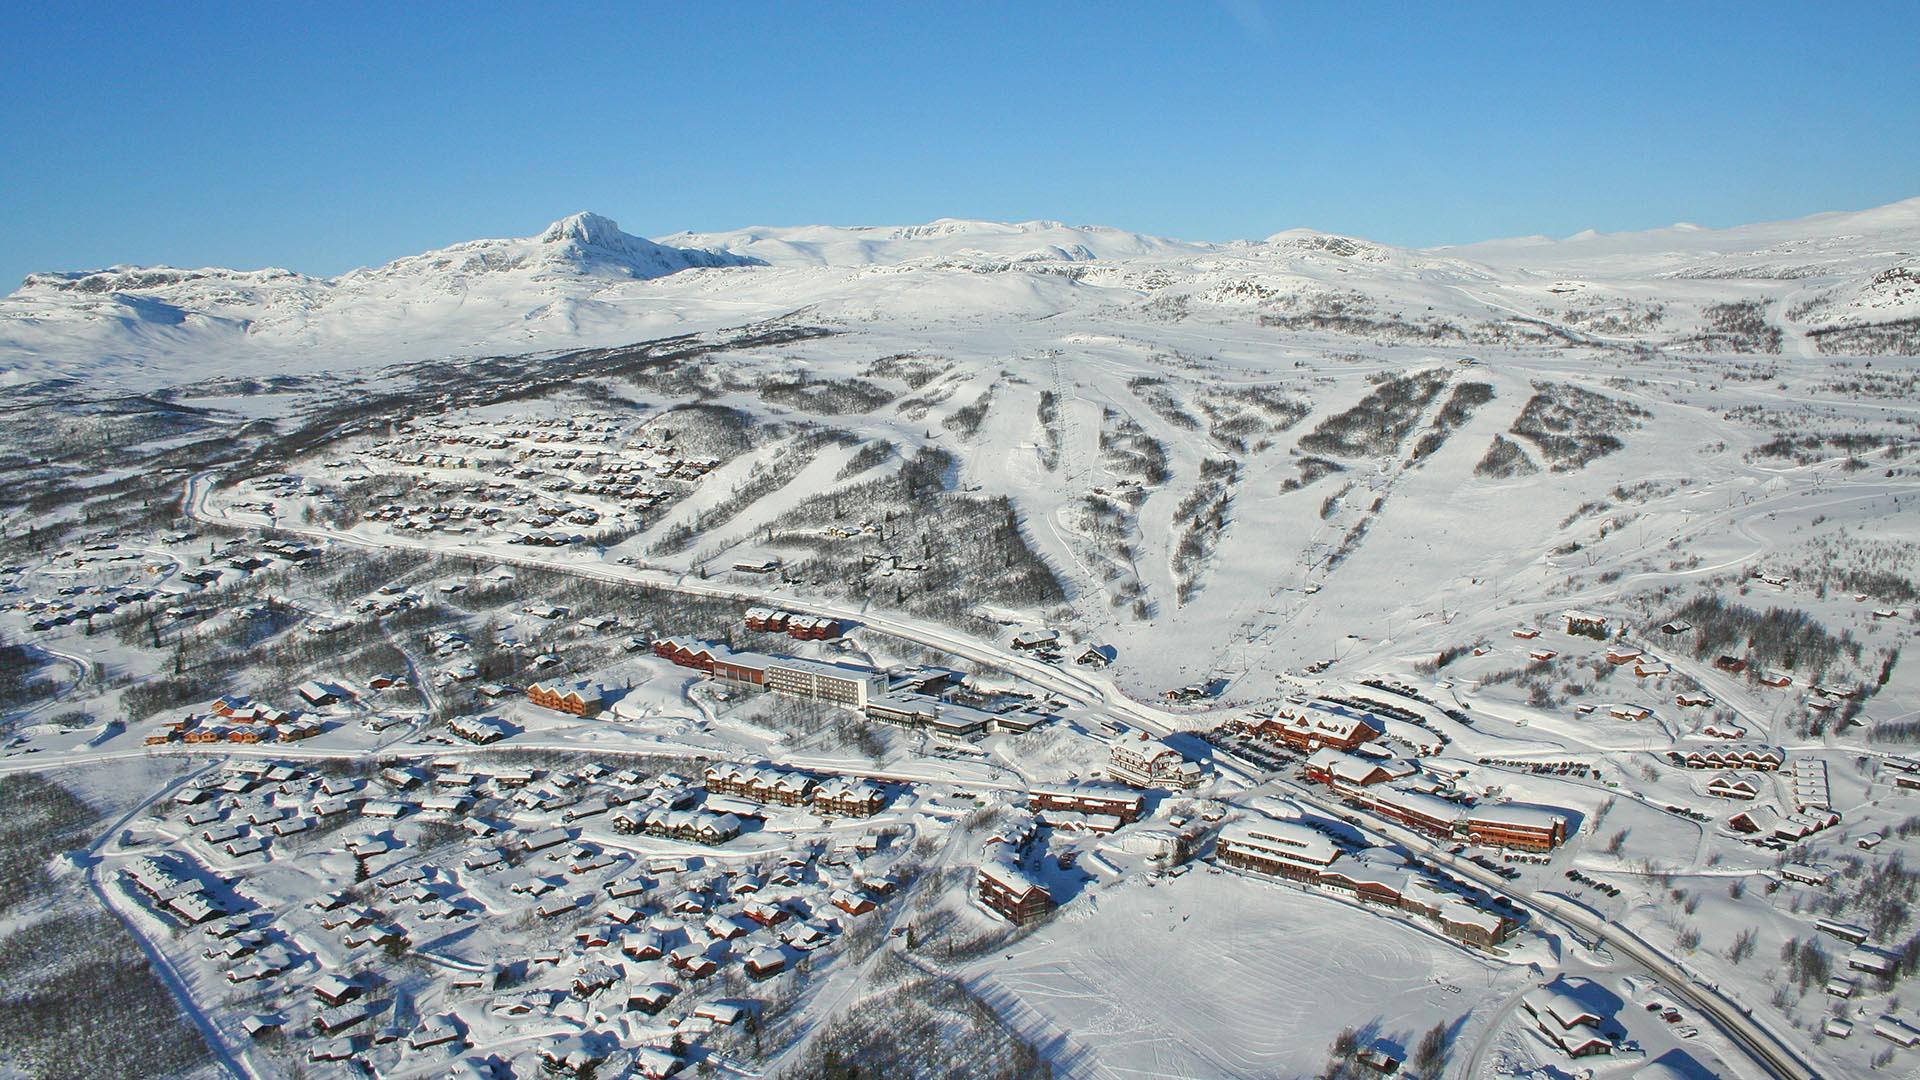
[(1342, 771), (1542, 655), (1692, 701), (1321, 724), (330, 989), (812, 628), (318, 694), (1732, 665), (1733, 785), (1585, 622), (651, 998), (653, 1063), (1896, 1031), (1733, 755), (1720, 729), (1676, 627), (760, 783), (764, 913), (725, 1014), (694, 826), (1011, 894), (480, 730), (1873, 962), (595, 977), (1855, 935), (577, 698), (1802, 874), (1117, 802), (1142, 761), (1776, 679), (341, 1017), (1526, 633), (848, 798), (1097, 656), (250, 845), (850, 902), (760, 618), (260, 1024), (1621, 654), (643, 947), (1566, 1020), (544, 839), (1630, 713), (765, 962)]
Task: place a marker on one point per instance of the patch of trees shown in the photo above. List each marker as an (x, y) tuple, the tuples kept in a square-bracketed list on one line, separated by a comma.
[(1898, 337), (915, 371), (1238, 414), (928, 1028), (702, 430), (1128, 450), (1198, 521), (1457, 411), (970, 548), (1777, 637), (19, 684), (79, 1000), (1152, 391), (1050, 429), (965, 421), (765, 479), (1738, 327), (870, 456), (1312, 470), (832, 397), (1390, 328), (38, 819), (1572, 425), (1381, 420)]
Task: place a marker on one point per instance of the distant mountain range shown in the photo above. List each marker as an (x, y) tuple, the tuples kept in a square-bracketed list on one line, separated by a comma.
[(582, 281)]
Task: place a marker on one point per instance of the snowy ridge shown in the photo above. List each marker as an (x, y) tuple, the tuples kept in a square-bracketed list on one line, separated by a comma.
[(582, 282)]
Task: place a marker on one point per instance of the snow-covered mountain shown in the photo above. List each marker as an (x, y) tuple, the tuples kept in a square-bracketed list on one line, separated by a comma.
[(584, 282)]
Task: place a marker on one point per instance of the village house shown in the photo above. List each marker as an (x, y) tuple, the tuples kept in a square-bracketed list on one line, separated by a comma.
[(1342, 771), (1732, 755), (1280, 848), (481, 730), (1316, 725), (1142, 761), (760, 783), (1116, 802), (576, 698), (1566, 1021), (1010, 893), (848, 798), (1585, 623), (1734, 785)]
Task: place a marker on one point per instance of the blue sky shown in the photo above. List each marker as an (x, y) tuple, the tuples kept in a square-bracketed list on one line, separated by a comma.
[(322, 137)]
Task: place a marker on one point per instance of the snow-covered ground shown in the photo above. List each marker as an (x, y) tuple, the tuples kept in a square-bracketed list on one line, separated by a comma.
[(1255, 473)]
